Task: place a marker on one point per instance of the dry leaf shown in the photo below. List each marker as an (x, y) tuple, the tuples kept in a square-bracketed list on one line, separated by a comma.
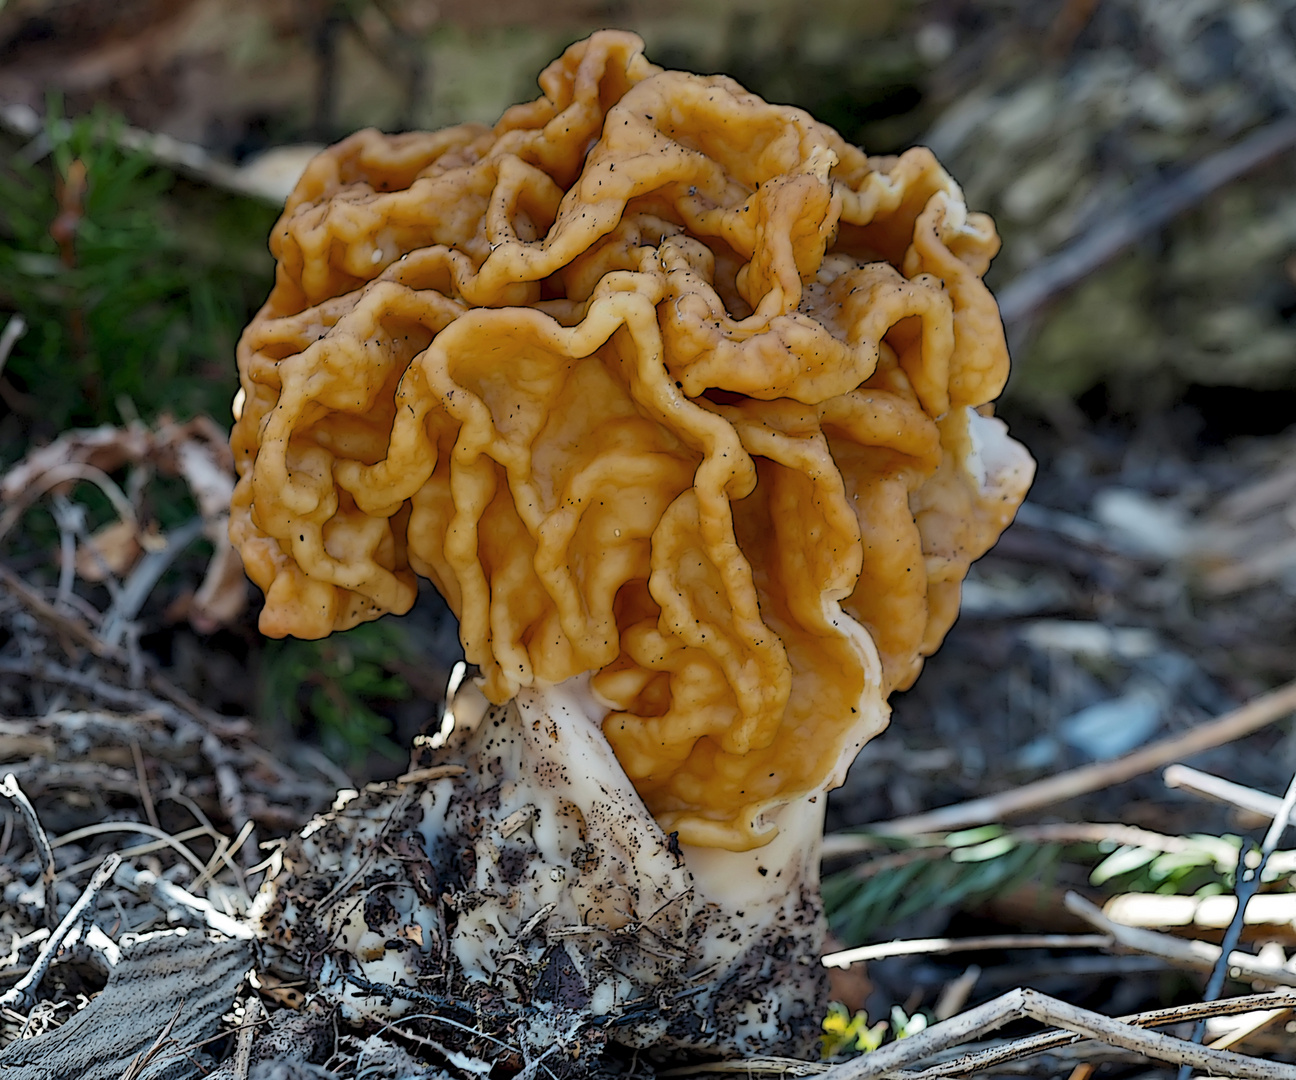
[(112, 550), (196, 451), (274, 988), (221, 598)]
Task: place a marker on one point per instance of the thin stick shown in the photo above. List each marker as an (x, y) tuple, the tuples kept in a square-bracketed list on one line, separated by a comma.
[(1225, 791), (70, 519), (19, 995), (116, 696), (188, 159), (1197, 955), (173, 701), (1255, 714), (10, 790), (1017, 1004), (777, 1066), (146, 796), (230, 792), (15, 327), (101, 827), (1061, 832), (221, 857), (954, 996), (1041, 283), (943, 1036), (148, 571), (1156, 911), (149, 885), (980, 1060), (1248, 1028), (145, 1057), (243, 1051), (137, 849), (1245, 885), (61, 474), (1084, 832), (1151, 1043), (928, 946), (434, 772), (48, 613)]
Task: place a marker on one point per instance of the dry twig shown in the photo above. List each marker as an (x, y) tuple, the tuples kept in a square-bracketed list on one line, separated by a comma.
[(944, 946), (1248, 1027), (1141, 216), (1275, 911), (1195, 955), (163, 837), (434, 772), (150, 886), (10, 790), (1255, 714), (1225, 791), (978, 1060), (185, 158), (146, 1057), (766, 1066), (1062, 832), (1019, 1004), (243, 1051), (20, 994), (15, 327), (1246, 885)]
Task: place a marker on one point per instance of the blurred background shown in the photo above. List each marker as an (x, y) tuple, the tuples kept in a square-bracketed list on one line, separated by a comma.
[(1137, 155)]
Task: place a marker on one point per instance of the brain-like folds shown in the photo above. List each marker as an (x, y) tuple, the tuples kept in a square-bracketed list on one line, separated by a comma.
[(654, 380)]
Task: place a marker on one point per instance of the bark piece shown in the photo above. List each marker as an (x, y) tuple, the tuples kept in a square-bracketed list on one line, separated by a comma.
[(156, 977)]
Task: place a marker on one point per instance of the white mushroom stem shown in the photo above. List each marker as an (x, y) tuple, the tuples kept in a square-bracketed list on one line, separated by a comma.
[(537, 882), (733, 878), (764, 900), (757, 883)]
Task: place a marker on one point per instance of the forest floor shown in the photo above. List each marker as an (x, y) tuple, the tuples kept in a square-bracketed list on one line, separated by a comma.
[(1109, 722), (1144, 592)]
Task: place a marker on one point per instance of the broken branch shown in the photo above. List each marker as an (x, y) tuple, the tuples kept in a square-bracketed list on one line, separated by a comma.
[(10, 790), (20, 994), (1255, 714), (1197, 955)]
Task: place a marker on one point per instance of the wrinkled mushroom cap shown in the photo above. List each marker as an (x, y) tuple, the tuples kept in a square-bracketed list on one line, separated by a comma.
[(656, 381)]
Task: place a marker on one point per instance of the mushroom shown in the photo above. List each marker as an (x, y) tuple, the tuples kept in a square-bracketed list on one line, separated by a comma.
[(681, 402)]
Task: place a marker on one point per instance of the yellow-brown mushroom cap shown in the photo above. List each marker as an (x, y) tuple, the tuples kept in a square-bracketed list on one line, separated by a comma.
[(655, 381)]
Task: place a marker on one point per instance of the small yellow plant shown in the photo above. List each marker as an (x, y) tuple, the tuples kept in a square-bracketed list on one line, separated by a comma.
[(846, 1034)]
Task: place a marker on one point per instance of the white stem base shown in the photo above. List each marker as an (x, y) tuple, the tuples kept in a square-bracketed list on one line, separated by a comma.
[(537, 892)]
